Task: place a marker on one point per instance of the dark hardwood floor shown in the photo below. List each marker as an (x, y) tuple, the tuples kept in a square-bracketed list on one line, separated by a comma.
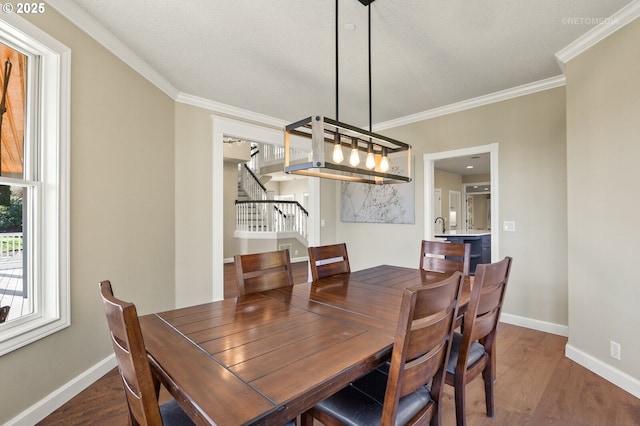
[(536, 385)]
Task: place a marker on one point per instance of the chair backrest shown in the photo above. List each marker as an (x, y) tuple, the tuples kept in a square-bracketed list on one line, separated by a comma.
[(263, 271), (422, 344), (442, 256), (329, 260), (485, 305), (140, 387)]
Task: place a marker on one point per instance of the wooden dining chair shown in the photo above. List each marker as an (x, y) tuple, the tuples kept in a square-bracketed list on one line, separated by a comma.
[(442, 256), (474, 351), (408, 389), (329, 260), (262, 271), (141, 388)]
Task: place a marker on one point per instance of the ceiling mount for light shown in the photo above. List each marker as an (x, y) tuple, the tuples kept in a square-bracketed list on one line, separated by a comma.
[(386, 160)]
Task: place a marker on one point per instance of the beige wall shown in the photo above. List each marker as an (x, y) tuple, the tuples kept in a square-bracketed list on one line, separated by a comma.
[(485, 178), (256, 246), (530, 131), (232, 245), (194, 204), (297, 187), (603, 146), (297, 251), (122, 219), (329, 212)]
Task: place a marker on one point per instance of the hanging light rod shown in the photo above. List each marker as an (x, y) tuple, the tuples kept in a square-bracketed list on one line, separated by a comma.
[(384, 156)]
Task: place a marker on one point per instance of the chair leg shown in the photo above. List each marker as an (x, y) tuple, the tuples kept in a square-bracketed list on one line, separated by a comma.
[(461, 412), (488, 375), (306, 419), (436, 417)]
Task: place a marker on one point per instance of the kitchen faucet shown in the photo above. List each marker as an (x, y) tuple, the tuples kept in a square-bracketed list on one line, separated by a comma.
[(444, 229)]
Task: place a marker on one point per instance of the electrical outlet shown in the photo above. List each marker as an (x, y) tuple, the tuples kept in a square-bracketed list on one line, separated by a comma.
[(615, 350)]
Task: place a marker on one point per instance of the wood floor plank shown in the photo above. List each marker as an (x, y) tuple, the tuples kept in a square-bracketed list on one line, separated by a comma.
[(575, 395), (526, 369)]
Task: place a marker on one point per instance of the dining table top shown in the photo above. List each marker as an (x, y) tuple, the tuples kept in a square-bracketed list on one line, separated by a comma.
[(266, 357)]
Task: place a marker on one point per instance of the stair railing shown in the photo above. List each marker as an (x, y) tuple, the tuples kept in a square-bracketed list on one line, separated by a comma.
[(250, 183), (271, 216)]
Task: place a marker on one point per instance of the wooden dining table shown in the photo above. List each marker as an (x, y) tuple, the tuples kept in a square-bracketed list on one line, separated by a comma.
[(265, 358)]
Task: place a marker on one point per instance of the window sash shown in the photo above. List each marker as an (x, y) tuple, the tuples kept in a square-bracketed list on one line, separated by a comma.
[(47, 176)]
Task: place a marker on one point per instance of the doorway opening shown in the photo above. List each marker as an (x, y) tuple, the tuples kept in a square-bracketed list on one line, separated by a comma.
[(224, 127), (430, 207)]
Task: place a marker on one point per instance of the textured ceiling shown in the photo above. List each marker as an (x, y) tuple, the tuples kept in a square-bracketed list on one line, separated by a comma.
[(276, 57)]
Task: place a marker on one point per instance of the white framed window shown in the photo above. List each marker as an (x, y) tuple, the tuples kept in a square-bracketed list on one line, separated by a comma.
[(34, 177)]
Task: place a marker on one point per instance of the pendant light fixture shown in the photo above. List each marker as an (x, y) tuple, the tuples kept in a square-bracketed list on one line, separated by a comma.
[(382, 152)]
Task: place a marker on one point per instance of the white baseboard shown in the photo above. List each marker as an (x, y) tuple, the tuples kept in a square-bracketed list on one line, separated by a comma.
[(60, 396), (547, 327), (604, 370)]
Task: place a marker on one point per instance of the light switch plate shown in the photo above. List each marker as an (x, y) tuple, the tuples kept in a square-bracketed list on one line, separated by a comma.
[(509, 226)]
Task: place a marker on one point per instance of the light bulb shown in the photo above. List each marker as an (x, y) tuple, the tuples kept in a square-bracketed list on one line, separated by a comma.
[(384, 163), (354, 159), (337, 154), (370, 163)]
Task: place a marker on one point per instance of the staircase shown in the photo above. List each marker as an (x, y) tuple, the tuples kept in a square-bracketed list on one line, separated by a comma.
[(258, 213)]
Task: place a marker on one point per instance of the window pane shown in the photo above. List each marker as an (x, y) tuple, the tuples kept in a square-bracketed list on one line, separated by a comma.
[(14, 288), (34, 144), (12, 111)]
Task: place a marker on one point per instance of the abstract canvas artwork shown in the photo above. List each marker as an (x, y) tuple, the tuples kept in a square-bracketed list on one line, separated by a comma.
[(361, 202)]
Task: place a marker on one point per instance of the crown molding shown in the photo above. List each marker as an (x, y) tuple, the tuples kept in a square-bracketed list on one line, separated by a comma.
[(598, 33), (99, 33), (94, 29), (230, 110), (514, 92)]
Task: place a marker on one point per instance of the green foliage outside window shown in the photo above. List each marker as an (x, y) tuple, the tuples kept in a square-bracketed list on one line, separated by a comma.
[(11, 215)]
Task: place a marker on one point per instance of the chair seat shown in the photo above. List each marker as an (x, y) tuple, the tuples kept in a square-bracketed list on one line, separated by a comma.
[(475, 353), (360, 403), (173, 415)]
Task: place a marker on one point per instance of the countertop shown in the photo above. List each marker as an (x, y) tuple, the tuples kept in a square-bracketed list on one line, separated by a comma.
[(467, 233)]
